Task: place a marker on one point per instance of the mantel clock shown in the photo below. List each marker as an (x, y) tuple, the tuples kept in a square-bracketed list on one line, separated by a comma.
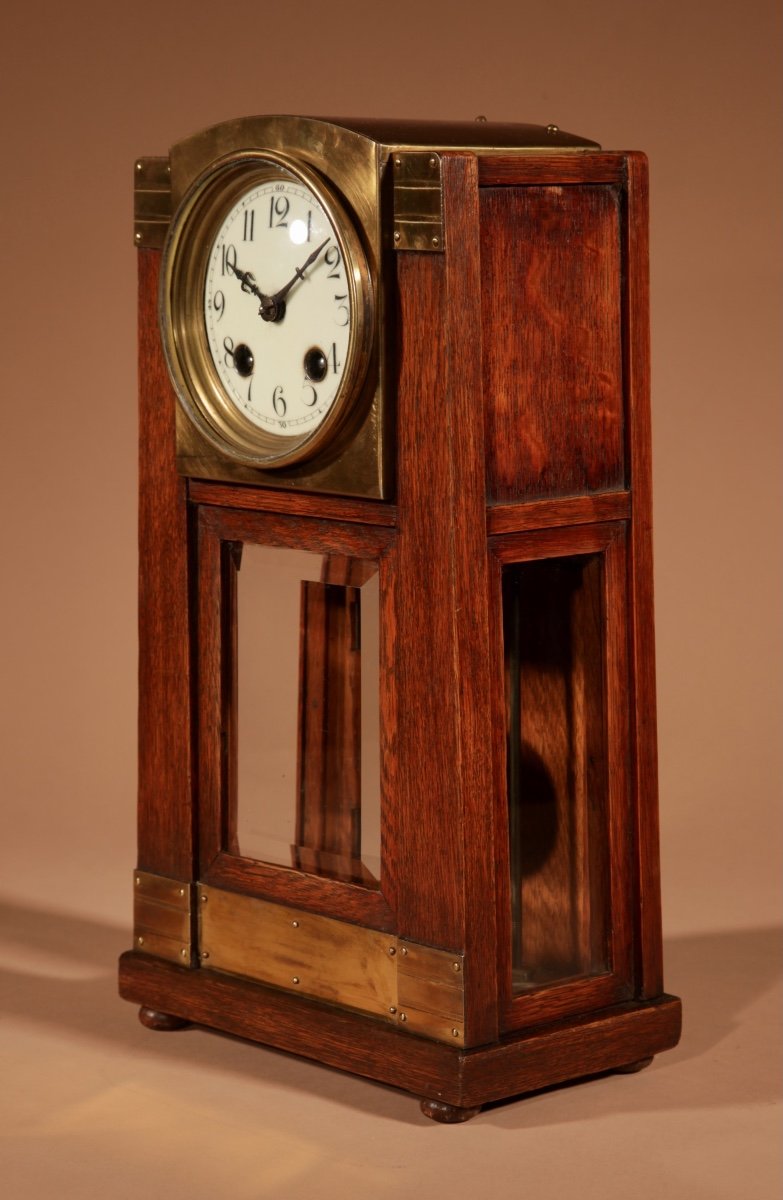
[(397, 774)]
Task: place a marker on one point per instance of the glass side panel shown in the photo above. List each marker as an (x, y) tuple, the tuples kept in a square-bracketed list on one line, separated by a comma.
[(557, 774), (307, 754)]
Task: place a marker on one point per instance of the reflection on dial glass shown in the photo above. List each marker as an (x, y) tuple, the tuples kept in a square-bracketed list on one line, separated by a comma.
[(276, 285)]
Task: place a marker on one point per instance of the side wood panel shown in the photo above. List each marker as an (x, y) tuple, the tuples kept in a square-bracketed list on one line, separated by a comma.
[(644, 764), (165, 812), (438, 759), (550, 302)]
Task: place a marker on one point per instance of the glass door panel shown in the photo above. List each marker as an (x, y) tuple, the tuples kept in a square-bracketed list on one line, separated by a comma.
[(307, 774), (557, 777)]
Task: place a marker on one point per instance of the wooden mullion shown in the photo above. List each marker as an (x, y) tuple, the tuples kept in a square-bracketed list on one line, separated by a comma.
[(166, 837)]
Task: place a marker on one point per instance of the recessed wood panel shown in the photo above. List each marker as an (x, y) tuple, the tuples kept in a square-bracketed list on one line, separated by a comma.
[(551, 313)]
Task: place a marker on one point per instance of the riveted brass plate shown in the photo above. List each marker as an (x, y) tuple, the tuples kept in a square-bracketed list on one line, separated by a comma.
[(151, 202), (162, 917), (418, 202), (417, 988)]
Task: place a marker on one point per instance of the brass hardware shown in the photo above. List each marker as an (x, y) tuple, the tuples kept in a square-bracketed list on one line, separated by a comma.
[(418, 202), (552, 129), (151, 202), (162, 916), (327, 959)]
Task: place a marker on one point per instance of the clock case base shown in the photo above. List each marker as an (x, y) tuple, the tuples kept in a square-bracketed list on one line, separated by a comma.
[(615, 1039)]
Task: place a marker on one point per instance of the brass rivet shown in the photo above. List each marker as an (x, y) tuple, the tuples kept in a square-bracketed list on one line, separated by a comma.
[(140, 941), (183, 953), (403, 1017), (392, 1009), (433, 162), (481, 118), (436, 242), (295, 924), (397, 235), (204, 897), (455, 1033), (182, 891), (138, 880), (139, 166), (137, 237), (295, 979), (553, 129), (404, 950), (392, 951), (455, 967), (205, 954), (398, 162)]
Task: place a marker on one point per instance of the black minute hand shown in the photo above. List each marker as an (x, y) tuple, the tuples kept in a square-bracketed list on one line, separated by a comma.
[(276, 304)]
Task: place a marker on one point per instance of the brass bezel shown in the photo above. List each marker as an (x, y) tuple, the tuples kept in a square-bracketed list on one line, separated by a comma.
[(185, 258)]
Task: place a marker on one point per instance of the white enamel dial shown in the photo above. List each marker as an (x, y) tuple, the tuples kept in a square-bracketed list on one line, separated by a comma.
[(267, 311), (278, 307)]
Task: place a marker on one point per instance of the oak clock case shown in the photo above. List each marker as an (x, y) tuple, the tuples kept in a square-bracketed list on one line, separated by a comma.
[(397, 762)]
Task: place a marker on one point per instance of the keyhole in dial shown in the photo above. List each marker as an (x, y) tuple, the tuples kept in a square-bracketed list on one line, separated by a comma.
[(244, 360), (316, 364)]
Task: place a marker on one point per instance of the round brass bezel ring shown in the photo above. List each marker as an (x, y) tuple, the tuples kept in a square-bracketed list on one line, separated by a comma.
[(183, 275)]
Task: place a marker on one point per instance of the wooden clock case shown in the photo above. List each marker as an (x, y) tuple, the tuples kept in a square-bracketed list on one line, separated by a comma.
[(513, 940)]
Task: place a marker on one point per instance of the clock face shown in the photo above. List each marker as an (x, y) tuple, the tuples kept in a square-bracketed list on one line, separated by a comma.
[(278, 308), (267, 310)]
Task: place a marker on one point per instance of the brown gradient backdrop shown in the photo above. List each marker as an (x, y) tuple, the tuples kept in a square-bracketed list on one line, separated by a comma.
[(88, 86)]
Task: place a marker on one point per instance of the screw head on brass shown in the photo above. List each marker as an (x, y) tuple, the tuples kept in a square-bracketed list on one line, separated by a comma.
[(553, 128), (455, 966), (295, 979), (455, 1033), (138, 880), (182, 891), (436, 242), (403, 1016), (396, 235), (480, 119), (139, 166), (140, 941), (205, 954), (204, 897), (392, 1009), (433, 162), (137, 237), (392, 951), (398, 162), (183, 953), (404, 950), (295, 924)]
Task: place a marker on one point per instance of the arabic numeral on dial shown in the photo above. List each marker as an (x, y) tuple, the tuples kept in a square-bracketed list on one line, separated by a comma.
[(228, 347), (278, 401), (308, 387), (278, 211), (248, 228), (228, 259), (332, 260), (219, 304), (343, 310)]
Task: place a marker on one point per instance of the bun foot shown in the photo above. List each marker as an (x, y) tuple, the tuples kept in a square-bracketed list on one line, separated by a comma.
[(160, 1021), (447, 1114), (632, 1068)]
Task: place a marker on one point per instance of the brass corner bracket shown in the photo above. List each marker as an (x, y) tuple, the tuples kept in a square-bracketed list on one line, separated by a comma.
[(151, 202), (418, 202), (162, 921)]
